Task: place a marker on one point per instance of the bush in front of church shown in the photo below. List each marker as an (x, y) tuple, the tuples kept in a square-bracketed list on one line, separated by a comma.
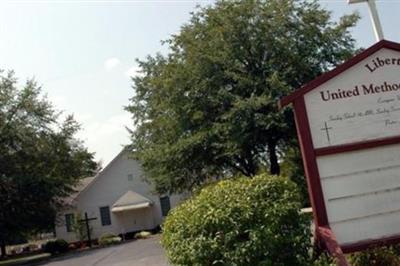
[(55, 246), (388, 256), (109, 239), (240, 222)]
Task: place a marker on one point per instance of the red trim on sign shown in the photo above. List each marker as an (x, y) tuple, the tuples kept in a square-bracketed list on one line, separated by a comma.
[(331, 244), (310, 163), (362, 245), (357, 146), (346, 65)]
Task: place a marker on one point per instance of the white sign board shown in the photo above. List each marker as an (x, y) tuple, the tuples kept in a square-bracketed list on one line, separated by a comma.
[(361, 188), (362, 103)]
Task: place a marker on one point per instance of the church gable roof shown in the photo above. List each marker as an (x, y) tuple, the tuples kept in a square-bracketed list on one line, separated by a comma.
[(87, 182), (82, 184)]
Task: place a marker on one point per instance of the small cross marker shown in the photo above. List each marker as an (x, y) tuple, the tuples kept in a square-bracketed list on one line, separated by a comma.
[(326, 128)]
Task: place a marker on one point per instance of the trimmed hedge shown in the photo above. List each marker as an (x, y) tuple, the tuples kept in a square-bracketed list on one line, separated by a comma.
[(143, 235), (109, 239), (240, 222), (55, 246), (107, 235)]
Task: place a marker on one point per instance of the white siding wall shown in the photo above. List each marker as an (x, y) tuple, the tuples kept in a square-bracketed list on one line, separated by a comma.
[(61, 229), (106, 189)]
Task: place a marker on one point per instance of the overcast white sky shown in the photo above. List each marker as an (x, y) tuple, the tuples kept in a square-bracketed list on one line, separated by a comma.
[(83, 52)]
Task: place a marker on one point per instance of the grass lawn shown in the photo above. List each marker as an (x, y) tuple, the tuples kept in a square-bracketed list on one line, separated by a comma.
[(23, 260)]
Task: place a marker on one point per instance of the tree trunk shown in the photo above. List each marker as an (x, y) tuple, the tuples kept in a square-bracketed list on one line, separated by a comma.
[(3, 249), (274, 168)]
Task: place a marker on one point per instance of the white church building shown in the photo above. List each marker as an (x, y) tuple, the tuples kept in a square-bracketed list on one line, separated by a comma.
[(120, 200)]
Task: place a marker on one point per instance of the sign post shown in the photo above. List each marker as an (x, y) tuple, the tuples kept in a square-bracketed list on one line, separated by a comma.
[(348, 125)]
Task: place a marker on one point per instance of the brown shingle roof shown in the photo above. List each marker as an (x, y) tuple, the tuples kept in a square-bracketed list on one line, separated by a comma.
[(83, 183)]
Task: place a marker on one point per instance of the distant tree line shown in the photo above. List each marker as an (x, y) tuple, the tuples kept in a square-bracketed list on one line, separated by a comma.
[(40, 160)]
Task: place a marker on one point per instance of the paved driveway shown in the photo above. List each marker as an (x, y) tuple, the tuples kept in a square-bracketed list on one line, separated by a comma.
[(135, 253)]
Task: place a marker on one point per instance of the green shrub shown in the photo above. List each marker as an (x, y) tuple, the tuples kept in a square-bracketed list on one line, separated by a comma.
[(382, 256), (240, 222), (142, 235), (109, 239), (56, 246), (107, 235)]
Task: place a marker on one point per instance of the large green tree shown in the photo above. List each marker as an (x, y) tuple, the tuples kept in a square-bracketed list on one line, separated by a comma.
[(209, 108), (40, 160)]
